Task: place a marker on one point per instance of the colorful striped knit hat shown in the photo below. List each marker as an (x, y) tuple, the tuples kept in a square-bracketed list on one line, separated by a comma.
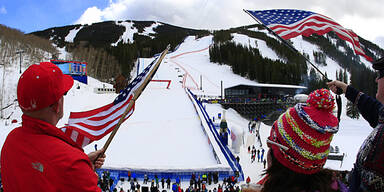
[(306, 131)]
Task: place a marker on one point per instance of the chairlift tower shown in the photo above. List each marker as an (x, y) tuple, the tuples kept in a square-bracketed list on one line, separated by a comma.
[(20, 52), (2, 90)]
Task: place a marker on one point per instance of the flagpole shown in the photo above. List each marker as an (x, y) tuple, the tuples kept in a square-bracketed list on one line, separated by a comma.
[(286, 43), (136, 94)]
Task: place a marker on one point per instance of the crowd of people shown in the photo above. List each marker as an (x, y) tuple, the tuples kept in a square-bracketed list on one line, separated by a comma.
[(266, 99), (198, 183), (257, 153)]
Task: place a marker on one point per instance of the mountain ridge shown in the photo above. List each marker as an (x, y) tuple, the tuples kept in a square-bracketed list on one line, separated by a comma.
[(107, 45)]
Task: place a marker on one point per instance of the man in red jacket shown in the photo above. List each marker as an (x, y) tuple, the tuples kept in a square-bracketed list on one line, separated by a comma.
[(38, 156)]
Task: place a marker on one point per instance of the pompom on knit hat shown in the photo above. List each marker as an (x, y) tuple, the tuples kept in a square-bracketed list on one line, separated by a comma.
[(306, 131)]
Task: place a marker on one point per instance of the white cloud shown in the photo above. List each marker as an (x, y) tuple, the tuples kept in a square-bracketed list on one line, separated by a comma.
[(3, 10), (91, 15), (363, 18), (379, 41)]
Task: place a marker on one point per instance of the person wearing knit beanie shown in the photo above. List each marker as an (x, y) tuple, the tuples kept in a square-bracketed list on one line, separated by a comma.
[(299, 145), (368, 171)]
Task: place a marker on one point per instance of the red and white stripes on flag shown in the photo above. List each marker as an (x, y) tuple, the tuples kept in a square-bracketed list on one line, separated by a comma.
[(289, 23), (233, 136), (85, 127), (88, 126)]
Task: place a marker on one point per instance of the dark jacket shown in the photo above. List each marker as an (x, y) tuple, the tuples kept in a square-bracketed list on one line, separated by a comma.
[(368, 107), (368, 170)]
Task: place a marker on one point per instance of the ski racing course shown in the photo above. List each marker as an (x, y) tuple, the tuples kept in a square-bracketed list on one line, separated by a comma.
[(169, 134)]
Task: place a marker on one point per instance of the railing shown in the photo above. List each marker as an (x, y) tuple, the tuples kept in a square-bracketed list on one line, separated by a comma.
[(236, 167)]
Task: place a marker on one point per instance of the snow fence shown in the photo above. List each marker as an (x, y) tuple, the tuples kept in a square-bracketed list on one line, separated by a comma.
[(213, 135)]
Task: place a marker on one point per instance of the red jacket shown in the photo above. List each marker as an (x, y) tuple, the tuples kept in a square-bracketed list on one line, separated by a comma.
[(39, 157)]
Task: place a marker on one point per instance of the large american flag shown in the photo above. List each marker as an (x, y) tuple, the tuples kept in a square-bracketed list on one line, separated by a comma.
[(289, 23), (87, 126)]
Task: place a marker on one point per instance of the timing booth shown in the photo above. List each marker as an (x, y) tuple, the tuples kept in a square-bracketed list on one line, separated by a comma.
[(76, 69)]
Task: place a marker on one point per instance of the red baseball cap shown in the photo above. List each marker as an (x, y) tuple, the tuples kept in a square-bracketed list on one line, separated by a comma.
[(42, 85)]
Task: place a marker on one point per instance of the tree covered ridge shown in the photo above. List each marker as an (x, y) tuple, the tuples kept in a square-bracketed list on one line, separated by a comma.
[(93, 44), (13, 40)]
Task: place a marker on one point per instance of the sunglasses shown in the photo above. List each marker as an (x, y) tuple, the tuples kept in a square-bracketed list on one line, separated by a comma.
[(277, 144)]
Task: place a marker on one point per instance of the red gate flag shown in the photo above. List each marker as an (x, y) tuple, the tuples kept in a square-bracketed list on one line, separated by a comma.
[(88, 126), (289, 23)]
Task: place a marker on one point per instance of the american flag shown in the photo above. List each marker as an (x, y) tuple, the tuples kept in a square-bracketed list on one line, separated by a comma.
[(233, 136), (87, 126), (289, 23)]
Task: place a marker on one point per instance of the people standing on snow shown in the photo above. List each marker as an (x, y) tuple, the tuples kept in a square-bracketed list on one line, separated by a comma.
[(38, 156), (249, 127), (145, 181), (293, 167), (258, 155), (199, 182), (168, 183), (174, 187), (368, 171), (129, 175), (253, 154), (262, 155), (162, 182), (216, 177), (210, 177), (110, 182), (259, 140), (219, 189), (252, 158), (264, 163), (191, 182), (134, 177), (157, 181), (133, 185)]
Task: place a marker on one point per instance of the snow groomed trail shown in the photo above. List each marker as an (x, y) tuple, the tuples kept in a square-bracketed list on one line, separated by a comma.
[(165, 136), (210, 129)]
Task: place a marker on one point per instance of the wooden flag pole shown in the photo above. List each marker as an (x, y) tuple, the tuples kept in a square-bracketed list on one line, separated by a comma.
[(136, 94)]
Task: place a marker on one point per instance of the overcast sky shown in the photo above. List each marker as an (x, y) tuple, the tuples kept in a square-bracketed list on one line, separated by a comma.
[(365, 18)]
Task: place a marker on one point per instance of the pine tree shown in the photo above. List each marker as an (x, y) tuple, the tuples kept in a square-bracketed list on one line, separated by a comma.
[(352, 111), (345, 76)]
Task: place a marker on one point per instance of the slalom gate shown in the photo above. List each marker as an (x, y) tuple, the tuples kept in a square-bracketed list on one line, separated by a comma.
[(226, 162)]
